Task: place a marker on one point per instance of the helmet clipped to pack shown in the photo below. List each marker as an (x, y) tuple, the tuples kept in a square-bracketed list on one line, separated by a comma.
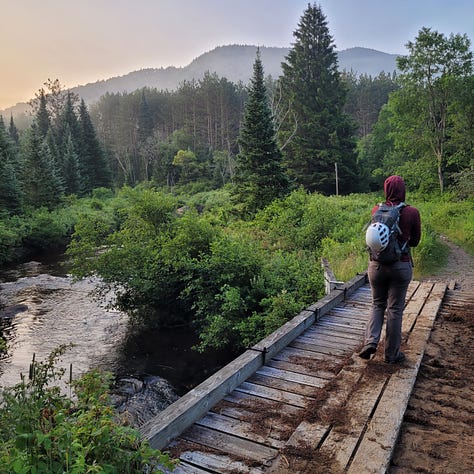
[(377, 237)]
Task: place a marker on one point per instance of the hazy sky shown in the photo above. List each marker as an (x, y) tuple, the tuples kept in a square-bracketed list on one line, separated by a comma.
[(84, 41)]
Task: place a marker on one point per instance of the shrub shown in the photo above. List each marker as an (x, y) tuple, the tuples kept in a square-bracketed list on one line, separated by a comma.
[(45, 432)]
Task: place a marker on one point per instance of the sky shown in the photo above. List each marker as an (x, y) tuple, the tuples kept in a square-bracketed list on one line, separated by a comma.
[(83, 41)]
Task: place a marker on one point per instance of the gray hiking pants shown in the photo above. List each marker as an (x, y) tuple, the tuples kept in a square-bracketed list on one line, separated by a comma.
[(389, 285)]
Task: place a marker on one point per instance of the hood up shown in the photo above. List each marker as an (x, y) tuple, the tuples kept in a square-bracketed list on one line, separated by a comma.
[(394, 188)]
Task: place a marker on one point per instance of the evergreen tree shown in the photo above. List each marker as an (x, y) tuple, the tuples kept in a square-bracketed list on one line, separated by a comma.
[(10, 192), (41, 182), (144, 119), (259, 177), (13, 131), (93, 165), (71, 174), (318, 136), (43, 121)]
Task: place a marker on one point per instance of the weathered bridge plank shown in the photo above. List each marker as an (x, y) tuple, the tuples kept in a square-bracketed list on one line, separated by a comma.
[(230, 444), (375, 450)]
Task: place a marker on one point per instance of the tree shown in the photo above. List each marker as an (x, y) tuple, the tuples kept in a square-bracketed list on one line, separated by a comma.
[(311, 84), (260, 177), (10, 193), (144, 119), (366, 97), (73, 183), (188, 165), (430, 74), (40, 178), (43, 121), (13, 131), (93, 165), (55, 98)]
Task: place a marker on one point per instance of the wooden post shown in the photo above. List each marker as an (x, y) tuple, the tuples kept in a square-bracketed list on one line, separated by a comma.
[(330, 282)]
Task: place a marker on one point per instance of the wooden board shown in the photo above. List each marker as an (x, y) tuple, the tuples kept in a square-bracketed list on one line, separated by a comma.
[(375, 450), (215, 463), (301, 368), (239, 428), (273, 394), (284, 385), (289, 376), (230, 444)]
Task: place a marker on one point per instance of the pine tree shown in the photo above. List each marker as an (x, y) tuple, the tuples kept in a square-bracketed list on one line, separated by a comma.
[(10, 192), (317, 134), (41, 182), (260, 176), (144, 119), (71, 174), (43, 121), (93, 165), (13, 131)]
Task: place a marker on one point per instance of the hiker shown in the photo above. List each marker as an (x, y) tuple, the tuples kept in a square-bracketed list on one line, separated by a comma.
[(389, 281)]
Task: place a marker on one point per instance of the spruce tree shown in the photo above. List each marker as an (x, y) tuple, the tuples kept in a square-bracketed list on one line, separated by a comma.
[(93, 165), (144, 119), (13, 132), (71, 174), (43, 121), (260, 177), (317, 134), (41, 182), (10, 192)]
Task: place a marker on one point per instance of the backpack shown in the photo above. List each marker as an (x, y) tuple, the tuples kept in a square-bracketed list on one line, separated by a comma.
[(382, 234)]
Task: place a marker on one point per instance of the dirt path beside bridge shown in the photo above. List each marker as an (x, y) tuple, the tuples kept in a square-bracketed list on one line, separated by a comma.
[(437, 434)]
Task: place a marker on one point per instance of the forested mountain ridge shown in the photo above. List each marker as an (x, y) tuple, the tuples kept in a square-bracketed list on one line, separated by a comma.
[(233, 62)]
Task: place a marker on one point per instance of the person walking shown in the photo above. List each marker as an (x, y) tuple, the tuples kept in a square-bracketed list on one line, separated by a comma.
[(389, 281)]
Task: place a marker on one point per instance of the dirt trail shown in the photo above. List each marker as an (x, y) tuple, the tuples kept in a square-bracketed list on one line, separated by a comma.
[(437, 435)]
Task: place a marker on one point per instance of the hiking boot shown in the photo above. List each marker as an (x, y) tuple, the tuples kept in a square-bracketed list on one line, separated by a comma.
[(367, 351), (398, 360)]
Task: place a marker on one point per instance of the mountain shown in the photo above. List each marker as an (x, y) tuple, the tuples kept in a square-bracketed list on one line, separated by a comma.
[(235, 62)]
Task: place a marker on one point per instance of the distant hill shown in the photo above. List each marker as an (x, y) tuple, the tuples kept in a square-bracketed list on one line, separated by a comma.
[(235, 62)]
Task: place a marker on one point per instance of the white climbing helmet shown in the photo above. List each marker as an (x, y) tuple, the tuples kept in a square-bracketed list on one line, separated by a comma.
[(377, 236)]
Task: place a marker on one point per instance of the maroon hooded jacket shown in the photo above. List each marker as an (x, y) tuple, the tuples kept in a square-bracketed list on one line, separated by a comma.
[(410, 222)]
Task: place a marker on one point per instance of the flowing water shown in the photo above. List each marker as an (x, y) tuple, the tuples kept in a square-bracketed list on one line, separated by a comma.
[(41, 307)]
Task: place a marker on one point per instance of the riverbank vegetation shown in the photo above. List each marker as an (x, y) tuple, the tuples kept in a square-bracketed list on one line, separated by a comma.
[(45, 431), (212, 206)]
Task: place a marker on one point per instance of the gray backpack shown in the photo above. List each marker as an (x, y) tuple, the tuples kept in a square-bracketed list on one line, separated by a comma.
[(382, 234)]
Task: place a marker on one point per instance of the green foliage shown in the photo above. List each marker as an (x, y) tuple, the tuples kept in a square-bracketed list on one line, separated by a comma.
[(10, 239), (40, 177), (10, 192), (45, 432), (234, 280), (316, 134), (41, 229), (433, 77), (452, 218), (46, 230), (260, 177), (366, 97)]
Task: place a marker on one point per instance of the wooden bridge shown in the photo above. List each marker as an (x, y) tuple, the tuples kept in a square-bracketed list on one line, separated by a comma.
[(301, 400)]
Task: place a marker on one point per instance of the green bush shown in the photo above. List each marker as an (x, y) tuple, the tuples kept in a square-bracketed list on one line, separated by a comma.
[(45, 432), (236, 280), (45, 229), (10, 239)]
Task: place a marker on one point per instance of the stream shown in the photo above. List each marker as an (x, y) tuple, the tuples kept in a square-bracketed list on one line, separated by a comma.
[(41, 307)]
